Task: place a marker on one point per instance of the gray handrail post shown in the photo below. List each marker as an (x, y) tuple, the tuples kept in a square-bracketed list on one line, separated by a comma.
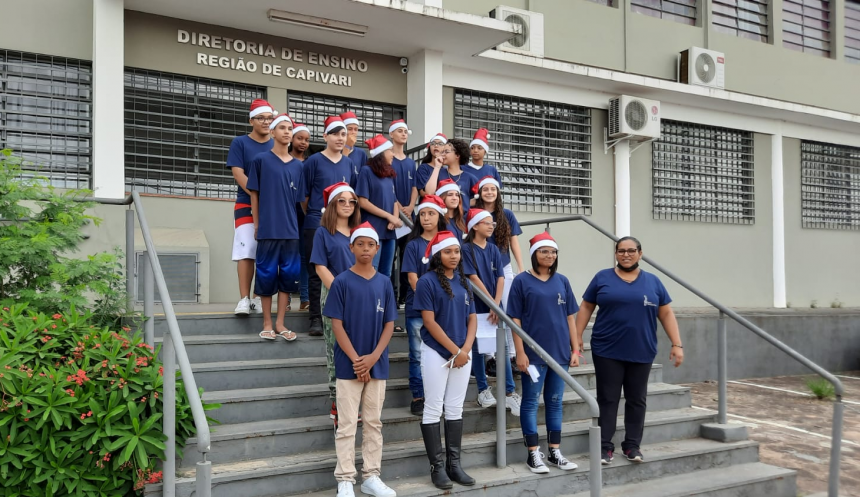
[(595, 446), (168, 354), (129, 261), (722, 369), (501, 411), (148, 300), (835, 448)]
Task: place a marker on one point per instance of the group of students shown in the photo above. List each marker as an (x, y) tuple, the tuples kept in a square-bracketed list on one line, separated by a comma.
[(461, 233)]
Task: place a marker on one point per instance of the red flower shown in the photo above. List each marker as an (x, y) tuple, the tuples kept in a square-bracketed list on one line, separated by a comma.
[(57, 316)]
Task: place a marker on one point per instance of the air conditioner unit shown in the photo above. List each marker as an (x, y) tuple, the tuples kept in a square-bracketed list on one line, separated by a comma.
[(632, 117), (530, 41), (702, 67)]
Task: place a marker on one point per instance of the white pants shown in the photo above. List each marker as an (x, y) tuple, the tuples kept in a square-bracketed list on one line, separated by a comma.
[(443, 387), (506, 291)]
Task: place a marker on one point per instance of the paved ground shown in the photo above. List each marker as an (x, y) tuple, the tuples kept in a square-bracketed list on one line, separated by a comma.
[(793, 428)]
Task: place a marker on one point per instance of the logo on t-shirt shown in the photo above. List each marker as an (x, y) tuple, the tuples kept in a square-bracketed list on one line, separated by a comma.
[(379, 307), (354, 168), (467, 299), (561, 300), (293, 186), (409, 173), (344, 179), (647, 303)]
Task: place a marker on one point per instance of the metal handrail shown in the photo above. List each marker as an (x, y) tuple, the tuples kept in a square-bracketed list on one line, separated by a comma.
[(838, 406), (173, 350)]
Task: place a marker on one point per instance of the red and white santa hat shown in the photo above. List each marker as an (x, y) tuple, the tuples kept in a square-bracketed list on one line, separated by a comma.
[(445, 186), (476, 216), (299, 127), (377, 145), (333, 122), (442, 240), (280, 119), (349, 118), (541, 240), (363, 229), (486, 180), (482, 138), (331, 191), (438, 137), (396, 124), (259, 106), (433, 202)]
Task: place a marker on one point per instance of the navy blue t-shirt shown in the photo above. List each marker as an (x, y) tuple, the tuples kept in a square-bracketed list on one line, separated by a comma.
[(412, 255), (380, 192), (515, 231), (452, 227), (482, 172), (543, 308), (464, 180), (332, 251), (243, 149), (320, 173), (486, 263), (364, 306), (451, 314), (358, 157), (405, 180), (280, 185), (626, 325)]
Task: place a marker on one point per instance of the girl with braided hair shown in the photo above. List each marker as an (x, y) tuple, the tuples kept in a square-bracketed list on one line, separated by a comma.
[(448, 312)]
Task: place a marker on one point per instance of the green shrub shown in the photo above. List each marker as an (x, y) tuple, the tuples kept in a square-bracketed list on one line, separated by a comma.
[(821, 388)]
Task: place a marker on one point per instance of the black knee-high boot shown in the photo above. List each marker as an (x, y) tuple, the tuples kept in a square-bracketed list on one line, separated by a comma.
[(453, 438), (433, 445)]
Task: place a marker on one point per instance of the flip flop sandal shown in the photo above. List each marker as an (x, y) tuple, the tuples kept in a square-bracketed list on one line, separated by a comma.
[(399, 329), (265, 336), (286, 335)]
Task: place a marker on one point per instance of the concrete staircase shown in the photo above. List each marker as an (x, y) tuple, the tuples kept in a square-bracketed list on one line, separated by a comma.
[(276, 438)]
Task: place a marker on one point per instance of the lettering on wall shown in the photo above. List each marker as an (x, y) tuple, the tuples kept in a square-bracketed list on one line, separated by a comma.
[(238, 48)]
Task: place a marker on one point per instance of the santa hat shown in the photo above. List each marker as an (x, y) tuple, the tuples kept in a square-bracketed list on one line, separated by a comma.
[(541, 240), (349, 118), (445, 186), (377, 145), (476, 216), (482, 138), (259, 106), (439, 137), (433, 202), (331, 191), (486, 180), (280, 119), (398, 123), (443, 239), (363, 229), (297, 127), (331, 123)]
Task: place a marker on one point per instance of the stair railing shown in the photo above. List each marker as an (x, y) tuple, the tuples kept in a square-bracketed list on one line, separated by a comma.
[(838, 406), (173, 349)]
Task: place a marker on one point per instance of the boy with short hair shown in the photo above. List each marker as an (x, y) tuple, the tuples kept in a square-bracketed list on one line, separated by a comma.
[(479, 147), (362, 330)]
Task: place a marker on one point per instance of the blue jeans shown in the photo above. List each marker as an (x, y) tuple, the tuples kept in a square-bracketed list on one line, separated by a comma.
[(303, 276), (553, 393), (479, 370), (385, 256), (303, 283), (416, 383)]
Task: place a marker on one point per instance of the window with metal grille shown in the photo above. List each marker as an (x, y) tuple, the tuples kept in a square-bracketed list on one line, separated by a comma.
[(830, 186), (178, 130), (806, 26), (607, 3), (312, 110), (683, 11), (46, 116), (743, 18), (703, 173), (852, 31), (542, 149)]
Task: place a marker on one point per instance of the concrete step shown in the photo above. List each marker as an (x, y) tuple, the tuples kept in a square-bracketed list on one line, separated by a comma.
[(405, 468), (667, 404), (229, 324), (259, 404), (744, 480)]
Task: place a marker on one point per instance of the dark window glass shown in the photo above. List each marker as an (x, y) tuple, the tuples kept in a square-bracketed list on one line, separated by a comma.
[(830, 186)]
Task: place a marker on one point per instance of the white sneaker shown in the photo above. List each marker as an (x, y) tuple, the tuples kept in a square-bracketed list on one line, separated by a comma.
[(486, 399), (344, 489), (244, 307), (512, 402), (375, 486), (257, 305)]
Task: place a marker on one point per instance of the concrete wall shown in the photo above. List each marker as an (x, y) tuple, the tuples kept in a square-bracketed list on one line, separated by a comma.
[(50, 27)]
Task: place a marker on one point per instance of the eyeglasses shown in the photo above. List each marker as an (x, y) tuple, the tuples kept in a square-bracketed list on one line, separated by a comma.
[(626, 251), (343, 201), (263, 119), (437, 144), (548, 252), (446, 151), (488, 223)]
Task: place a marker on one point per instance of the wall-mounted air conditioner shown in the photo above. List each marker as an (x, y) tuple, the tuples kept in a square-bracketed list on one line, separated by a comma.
[(632, 117), (530, 41), (698, 66)]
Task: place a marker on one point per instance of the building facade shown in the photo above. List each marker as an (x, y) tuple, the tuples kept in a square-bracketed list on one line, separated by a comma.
[(751, 192)]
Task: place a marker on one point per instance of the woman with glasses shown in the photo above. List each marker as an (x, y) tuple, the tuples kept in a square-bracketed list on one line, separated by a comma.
[(449, 164), (624, 342)]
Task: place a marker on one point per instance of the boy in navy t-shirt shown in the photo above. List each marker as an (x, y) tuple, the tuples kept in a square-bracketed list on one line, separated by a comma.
[(362, 329), (276, 183), (478, 150)]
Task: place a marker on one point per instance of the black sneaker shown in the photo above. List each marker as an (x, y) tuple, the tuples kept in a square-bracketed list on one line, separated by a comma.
[(417, 407), (559, 460), (634, 455), (535, 462), (606, 457), (316, 328), (490, 367)]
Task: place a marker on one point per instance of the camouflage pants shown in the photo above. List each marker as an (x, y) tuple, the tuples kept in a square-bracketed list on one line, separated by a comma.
[(328, 335)]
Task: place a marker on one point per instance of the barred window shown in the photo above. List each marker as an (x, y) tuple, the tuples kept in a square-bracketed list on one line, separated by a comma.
[(542, 149), (703, 173), (852, 31), (830, 186), (683, 11), (806, 26), (46, 116), (178, 131), (744, 18)]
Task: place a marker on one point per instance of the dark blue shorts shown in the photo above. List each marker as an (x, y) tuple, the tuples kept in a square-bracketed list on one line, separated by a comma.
[(279, 263)]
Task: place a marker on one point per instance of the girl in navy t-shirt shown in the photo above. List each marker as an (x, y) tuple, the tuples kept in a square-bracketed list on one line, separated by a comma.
[(543, 304), (449, 192), (448, 310), (375, 189)]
